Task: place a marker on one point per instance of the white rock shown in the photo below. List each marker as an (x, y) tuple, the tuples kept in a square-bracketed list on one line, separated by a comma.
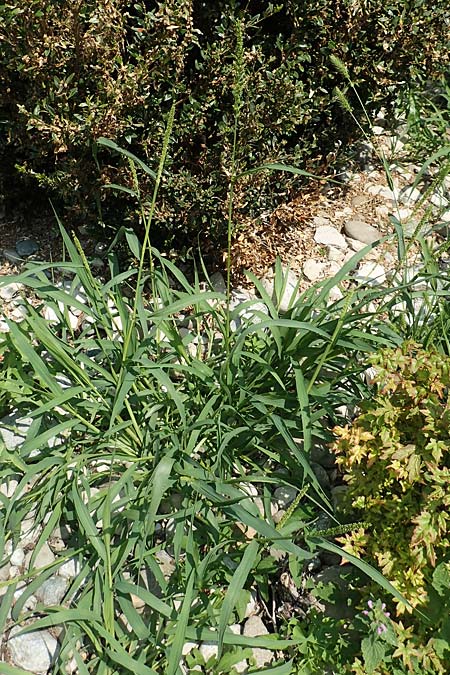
[(9, 487), (383, 191), (44, 557), (13, 571), (34, 651), (285, 495), (254, 627), (188, 647), (356, 245), (335, 294), (320, 221), (378, 131), (313, 269), (334, 254), (14, 437), (439, 200), (371, 273), (29, 532), (409, 195), (362, 231), (330, 236), (333, 268), (209, 650), (50, 315), (52, 591), (8, 292), (17, 557), (252, 605)]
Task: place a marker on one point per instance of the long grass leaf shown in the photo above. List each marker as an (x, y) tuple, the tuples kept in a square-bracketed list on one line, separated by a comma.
[(234, 589)]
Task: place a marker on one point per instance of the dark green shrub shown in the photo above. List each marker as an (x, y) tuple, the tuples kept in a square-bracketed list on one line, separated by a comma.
[(72, 72)]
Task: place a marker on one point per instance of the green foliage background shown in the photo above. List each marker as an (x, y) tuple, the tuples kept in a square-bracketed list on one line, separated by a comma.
[(71, 72)]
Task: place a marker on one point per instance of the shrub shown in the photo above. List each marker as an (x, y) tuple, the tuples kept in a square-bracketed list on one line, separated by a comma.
[(396, 461), (72, 73)]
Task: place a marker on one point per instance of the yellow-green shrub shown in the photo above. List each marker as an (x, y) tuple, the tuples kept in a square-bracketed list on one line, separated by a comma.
[(396, 461)]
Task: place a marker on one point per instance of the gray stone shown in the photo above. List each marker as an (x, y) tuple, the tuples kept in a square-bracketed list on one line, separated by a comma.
[(362, 231), (321, 475), (12, 256), (44, 557), (52, 591), (285, 495), (330, 236), (101, 248), (16, 435), (34, 651), (254, 627), (8, 292), (218, 282), (26, 247), (320, 454), (70, 569), (17, 557)]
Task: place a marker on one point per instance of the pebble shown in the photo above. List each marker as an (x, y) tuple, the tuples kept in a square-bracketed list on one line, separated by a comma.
[(8, 487), (252, 606), (371, 274), (166, 563), (330, 236), (12, 255), (44, 557), (52, 591), (321, 475), (320, 221), (209, 650), (10, 290), (313, 269), (17, 557), (218, 282), (254, 627), (409, 195), (382, 191), (70, 569), (14, 437), (34, 651), (101, 248), (26, 247), (362, 231), (285, 495), (334, 254)]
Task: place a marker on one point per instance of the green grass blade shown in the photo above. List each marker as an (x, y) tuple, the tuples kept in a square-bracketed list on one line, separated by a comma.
[(234, 589)]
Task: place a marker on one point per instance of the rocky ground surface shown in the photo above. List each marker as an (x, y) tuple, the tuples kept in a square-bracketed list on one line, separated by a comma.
[(315, 236)]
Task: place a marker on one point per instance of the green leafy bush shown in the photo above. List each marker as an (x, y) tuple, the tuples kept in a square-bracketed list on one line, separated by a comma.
[(72, 73), (396, 461)]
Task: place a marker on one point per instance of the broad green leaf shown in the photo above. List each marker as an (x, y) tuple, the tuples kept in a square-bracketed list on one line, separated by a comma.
[(373, 653)]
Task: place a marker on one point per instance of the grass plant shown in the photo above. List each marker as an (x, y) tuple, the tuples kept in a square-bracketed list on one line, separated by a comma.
[(159, 430)]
